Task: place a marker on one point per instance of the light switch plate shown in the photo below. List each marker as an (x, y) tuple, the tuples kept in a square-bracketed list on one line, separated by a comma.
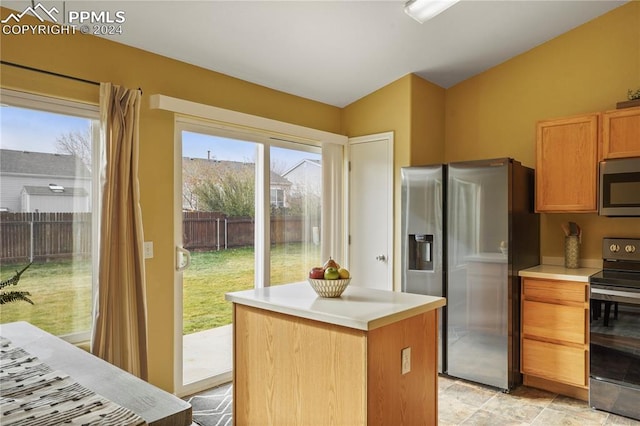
[(148, 249), (406, 360)]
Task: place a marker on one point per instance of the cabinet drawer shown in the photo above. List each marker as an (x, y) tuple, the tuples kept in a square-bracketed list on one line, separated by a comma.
[(554, 362), (555, 291), (555, 322)]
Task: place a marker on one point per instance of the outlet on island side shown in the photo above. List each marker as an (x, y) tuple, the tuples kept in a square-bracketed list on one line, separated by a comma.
[(406, 360)]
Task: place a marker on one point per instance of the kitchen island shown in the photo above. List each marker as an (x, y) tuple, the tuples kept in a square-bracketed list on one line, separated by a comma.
[(368, 357)]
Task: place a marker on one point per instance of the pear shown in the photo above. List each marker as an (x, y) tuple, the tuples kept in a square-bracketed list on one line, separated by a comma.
[(331, 264)]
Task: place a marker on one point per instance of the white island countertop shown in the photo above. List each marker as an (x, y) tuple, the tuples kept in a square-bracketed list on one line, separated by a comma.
[(359, 308), (558, 272)]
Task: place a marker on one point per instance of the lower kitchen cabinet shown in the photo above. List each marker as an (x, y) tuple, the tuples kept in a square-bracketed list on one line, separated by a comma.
[(555, 330), (556, 362)]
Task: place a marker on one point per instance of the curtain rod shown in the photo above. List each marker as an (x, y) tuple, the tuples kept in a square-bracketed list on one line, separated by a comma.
[(69, 77)]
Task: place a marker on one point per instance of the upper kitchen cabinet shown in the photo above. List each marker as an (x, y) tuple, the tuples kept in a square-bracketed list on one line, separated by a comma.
[(621, 133), (567, 164)]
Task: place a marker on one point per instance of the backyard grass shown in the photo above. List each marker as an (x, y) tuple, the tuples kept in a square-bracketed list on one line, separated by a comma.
[(214, 273), (61, 290)]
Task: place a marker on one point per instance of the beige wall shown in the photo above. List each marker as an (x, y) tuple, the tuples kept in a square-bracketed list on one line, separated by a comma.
[(98, 59), (587, 69)]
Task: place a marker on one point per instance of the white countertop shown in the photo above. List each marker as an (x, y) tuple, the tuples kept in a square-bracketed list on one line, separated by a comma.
[(557, 272), (359, 308)]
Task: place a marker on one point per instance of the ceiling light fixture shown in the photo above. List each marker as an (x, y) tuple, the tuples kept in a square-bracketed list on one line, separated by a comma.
[(423, 10)]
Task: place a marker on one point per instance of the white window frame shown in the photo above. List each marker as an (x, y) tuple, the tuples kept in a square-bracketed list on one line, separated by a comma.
[(32, 101)]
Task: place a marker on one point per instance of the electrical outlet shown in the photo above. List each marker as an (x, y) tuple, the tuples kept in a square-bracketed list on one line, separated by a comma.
[(406, 360), (148, 249)]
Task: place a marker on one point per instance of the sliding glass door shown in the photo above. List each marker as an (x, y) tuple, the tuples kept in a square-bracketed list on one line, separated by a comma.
[(223, 227)]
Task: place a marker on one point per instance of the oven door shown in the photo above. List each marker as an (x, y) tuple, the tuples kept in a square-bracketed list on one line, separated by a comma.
[(614, 383)]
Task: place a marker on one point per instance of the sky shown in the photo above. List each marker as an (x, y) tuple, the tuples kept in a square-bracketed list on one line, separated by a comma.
[(37, 131), (31, 130), (197, 145)]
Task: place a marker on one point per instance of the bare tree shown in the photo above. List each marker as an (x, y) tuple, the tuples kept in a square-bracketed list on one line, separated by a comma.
[(279, 166), (76, 143)]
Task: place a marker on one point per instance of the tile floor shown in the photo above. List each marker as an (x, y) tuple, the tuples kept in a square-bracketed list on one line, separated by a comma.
[(465, 403)]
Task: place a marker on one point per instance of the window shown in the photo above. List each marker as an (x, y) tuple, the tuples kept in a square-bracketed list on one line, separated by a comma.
[(277, 197), (48, 196)]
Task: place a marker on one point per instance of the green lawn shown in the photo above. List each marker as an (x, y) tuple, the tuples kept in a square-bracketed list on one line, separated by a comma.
[(212, 274), (62, 290)]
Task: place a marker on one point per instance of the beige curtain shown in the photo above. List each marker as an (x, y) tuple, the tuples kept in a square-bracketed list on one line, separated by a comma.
[(120, 328)]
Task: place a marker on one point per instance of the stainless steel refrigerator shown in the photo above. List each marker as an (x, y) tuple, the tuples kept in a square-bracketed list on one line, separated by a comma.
[(467, 229)]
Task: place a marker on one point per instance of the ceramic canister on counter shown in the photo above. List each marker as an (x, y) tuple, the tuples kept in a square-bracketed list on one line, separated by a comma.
[(571, 251)]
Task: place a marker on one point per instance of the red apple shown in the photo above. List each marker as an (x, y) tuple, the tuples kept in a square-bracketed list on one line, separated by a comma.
[(317, 273)]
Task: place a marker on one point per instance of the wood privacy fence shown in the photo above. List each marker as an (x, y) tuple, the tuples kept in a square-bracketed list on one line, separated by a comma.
[(44, 236), (50, 236), (215, 231)]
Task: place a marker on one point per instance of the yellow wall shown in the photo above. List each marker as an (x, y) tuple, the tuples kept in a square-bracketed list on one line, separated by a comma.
[(584, 70), (413, 109), (98, 59), (427, 122)]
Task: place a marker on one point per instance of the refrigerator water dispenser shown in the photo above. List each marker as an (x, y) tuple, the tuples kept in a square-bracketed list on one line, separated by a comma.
[(421, 252)]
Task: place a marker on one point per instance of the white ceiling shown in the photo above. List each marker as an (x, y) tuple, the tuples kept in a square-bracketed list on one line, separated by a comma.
[(339, 51)]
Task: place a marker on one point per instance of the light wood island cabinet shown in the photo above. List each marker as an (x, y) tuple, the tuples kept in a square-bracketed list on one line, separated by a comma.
[(621, 133), (567, 164), (555, 331), (305, 360)]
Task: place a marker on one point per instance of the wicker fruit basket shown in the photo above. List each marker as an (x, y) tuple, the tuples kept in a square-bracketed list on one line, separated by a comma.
[(329, 288)]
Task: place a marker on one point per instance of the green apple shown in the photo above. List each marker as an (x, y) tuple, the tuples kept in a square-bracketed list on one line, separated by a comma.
[(331, 273)]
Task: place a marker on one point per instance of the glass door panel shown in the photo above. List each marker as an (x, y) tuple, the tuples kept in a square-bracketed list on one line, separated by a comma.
[(296, 194), (47, 202), (218, 210)]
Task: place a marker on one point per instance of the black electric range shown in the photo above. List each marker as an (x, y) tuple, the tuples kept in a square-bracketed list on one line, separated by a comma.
[(614, 383)]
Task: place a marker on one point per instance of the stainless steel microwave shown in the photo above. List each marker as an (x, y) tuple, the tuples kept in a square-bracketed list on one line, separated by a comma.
[(619, 187)]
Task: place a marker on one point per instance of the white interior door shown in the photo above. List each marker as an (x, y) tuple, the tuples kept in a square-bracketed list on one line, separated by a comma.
[(371, 211)]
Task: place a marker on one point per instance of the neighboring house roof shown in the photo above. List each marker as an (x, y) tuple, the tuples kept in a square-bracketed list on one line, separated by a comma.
[(275, 178), (309, 161), (45, 190), (300, 163), (41, 163)]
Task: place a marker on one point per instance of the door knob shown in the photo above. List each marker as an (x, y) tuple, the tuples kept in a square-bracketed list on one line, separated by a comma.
[(381, 258)]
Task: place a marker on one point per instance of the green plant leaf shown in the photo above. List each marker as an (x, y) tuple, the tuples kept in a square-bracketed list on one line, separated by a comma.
[(13, 296)]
